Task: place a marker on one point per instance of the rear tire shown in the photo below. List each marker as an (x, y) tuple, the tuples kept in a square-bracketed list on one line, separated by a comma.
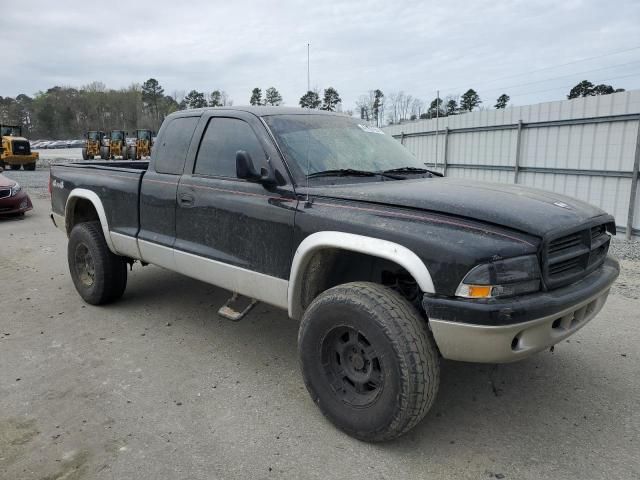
[(30, 166), (368, 360), (124, 153), (13, 166), (133, 153), (104, 153), (99, 275)]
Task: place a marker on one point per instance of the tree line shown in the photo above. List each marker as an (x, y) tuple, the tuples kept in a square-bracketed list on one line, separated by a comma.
[(67, 112)]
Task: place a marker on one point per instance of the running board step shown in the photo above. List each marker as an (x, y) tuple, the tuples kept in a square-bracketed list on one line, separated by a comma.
[(237, 307)]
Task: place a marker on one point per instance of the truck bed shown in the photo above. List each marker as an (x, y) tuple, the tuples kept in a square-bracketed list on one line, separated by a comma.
[(117, 183)]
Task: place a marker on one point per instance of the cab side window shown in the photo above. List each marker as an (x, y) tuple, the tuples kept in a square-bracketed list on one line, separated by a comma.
[(220, 142)]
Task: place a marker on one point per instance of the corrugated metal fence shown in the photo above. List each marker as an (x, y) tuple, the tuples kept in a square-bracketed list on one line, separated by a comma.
[(587, 148)]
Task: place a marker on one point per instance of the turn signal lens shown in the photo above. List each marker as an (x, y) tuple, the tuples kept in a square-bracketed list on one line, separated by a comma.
[(479, 291)]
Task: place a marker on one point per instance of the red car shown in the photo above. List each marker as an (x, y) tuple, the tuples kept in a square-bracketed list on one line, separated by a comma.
[(13, 200)]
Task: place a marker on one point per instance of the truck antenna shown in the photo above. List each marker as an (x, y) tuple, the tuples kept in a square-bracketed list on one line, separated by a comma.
[(308, 201)]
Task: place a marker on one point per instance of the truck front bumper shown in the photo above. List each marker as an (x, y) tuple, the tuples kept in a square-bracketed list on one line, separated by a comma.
[(507, 330)]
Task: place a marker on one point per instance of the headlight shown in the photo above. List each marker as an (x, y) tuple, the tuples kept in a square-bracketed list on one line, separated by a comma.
[(15, 189), (503, 278)]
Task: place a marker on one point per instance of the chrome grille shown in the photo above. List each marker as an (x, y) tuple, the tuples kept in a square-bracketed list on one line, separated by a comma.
[(567, 258)]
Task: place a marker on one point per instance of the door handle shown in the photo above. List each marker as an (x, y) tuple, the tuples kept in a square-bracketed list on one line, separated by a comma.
[(186, 200)]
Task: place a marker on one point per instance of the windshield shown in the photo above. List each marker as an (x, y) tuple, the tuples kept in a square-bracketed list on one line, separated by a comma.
[(116, 136), (143, 134), (11, 131), (93, 136), (328, 142)]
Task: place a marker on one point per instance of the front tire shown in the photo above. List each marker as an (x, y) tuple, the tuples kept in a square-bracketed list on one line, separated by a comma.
[(104, 153), (30, 166), (99, 275), (13, 166), (85, 156), (368, 360)]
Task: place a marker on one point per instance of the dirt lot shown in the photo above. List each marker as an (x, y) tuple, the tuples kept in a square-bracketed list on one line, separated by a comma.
[(157, 386)]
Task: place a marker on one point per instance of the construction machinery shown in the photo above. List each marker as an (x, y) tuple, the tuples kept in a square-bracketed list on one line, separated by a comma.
[(115, 145), (92, 144), (143, 143), (16, 150)]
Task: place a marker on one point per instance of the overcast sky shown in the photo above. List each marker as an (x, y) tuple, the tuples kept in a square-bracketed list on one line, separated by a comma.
[(415, 46)]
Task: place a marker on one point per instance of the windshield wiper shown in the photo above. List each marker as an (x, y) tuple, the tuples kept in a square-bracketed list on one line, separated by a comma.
[(343, 172), (412, 170)]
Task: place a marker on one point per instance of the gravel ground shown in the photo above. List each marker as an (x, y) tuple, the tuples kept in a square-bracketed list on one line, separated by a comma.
[(626, 249), (157, 386), (628, 252)]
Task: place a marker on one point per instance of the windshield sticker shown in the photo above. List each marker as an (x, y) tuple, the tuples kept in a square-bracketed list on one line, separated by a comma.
[(368, 129)]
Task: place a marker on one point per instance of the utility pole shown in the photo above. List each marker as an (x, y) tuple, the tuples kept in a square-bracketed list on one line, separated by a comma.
[(437, 118), (308, 69)]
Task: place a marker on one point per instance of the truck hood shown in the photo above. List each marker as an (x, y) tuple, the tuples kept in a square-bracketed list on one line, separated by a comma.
[(529, 210)]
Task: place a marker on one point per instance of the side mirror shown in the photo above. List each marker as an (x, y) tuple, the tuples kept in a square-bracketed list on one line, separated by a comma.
[(246, 170)]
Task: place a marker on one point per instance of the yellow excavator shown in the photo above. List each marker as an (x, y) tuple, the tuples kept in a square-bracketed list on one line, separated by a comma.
[(142, 147), (16, 150), (92, 144), (115, 145)]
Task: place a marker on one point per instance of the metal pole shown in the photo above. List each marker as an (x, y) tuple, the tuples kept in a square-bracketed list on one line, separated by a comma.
[(446, 151), (518, 148), (308, 69), (634, 187), (402, 138), (437, 118)]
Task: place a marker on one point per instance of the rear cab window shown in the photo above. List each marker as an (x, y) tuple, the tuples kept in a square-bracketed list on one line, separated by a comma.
[(172, 151)]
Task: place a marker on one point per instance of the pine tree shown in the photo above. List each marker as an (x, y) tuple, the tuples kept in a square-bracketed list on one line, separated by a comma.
[(376, 110), (152, 93), (310, 99), (216, 99), (435, 109), (502, 101), (469, 100), (331, 99), (195, 99), (451, 107), (272, 97), (256, 97)]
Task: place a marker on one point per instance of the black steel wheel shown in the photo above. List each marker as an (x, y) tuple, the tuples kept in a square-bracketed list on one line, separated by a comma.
[(83, 264), (368, 360), (352, 366), (99, 275)]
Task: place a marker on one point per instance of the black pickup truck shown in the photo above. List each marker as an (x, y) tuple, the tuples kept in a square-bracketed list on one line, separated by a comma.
[(387, 265)]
